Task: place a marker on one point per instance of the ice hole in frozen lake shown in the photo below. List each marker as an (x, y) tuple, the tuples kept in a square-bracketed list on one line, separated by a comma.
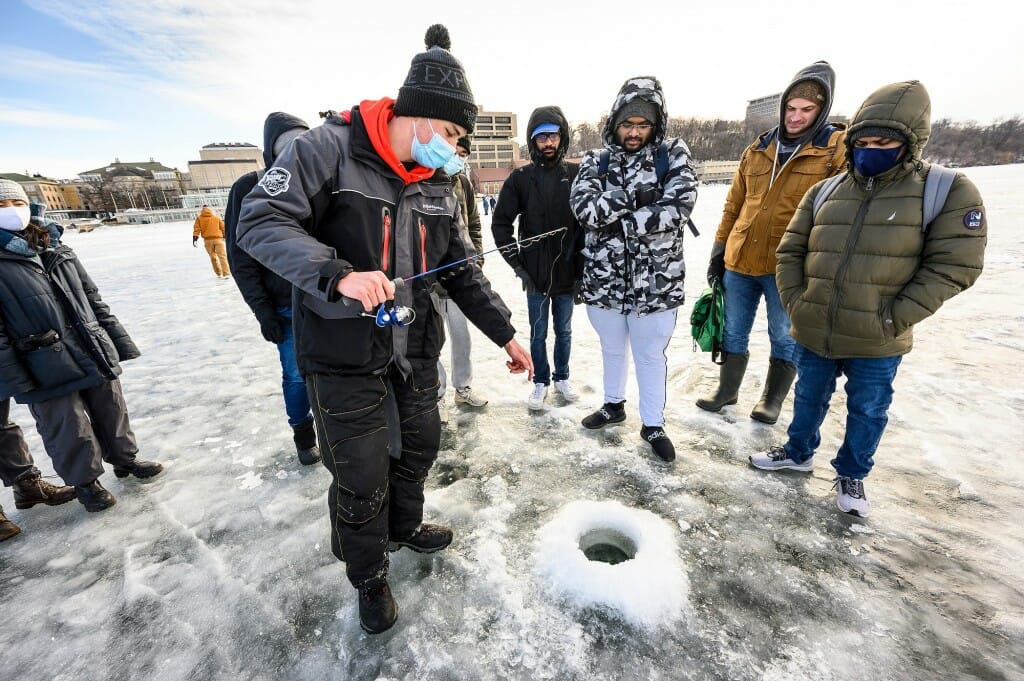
[(607, 556)]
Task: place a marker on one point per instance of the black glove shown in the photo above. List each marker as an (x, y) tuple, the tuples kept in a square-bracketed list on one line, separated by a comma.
[(271, 326), (528, 284), (716, 266), (194, 240)]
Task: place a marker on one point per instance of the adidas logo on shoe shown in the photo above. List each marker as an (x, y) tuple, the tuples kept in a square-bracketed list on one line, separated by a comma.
[(659, 442)]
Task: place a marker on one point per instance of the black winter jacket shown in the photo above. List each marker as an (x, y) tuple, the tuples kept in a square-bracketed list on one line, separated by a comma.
[(330, 206), (57, 336), (538, 195)]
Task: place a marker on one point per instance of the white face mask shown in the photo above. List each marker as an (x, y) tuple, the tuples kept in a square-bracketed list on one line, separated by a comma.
[(14, 218)]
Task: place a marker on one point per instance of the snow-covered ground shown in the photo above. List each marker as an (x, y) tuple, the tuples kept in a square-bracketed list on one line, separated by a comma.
[(221, 568)]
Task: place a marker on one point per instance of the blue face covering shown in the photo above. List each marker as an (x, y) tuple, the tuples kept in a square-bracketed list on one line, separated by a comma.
[(435, 153), (454, 165), (870, 162)]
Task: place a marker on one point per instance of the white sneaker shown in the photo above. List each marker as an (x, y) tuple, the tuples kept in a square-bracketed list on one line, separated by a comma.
[(776, 459), (465, 396), (851, 498), (566, 391), (537, 397), (442, 410)]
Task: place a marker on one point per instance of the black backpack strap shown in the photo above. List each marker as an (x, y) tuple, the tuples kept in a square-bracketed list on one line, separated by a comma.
[(602, 166)]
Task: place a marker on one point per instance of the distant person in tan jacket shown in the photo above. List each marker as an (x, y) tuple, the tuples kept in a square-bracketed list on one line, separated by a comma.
[(211, 228)]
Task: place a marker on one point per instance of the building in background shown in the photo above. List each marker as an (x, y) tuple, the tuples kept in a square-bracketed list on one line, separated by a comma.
[(145, 185), (495, 153), (40, 189), (220, 164)]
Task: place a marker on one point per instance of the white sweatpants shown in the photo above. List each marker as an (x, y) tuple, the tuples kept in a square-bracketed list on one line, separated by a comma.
[(648, 336), (461, 344)]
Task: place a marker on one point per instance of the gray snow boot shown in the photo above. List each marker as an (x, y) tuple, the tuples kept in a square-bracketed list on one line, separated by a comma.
[(730, 375), (781, 375)]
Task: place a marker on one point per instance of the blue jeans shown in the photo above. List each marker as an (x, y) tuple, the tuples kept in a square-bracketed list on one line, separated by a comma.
[(538, 305), (868, 396), (742, 296), (296, 400)]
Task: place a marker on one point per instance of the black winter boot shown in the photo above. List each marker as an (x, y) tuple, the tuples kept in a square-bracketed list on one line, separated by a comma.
[(426, 538), (94, 497), (7, 528), (378, 611), (776, 387), (138, 468), (34, 490), (304, 436), (730, 375), (610, 412)]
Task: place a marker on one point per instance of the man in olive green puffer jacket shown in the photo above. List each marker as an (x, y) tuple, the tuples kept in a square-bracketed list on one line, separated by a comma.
[(856, 277)]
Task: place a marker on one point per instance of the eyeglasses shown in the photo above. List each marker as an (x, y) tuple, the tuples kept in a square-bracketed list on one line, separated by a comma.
[(547, 136), (626, 126)]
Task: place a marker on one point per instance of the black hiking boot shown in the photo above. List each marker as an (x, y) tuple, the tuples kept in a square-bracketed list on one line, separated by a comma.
[(659, 442), (138, 468), (34, 490), (378, 611), (304, 436), (610, 412), (426, 539), (94, 497)]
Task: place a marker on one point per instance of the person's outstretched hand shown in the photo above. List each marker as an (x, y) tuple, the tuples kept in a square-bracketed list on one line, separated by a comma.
[(520, 361)]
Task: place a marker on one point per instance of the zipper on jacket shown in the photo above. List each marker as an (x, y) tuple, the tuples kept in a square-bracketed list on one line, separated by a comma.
[(858, 224), (386, 246), (423, 246)]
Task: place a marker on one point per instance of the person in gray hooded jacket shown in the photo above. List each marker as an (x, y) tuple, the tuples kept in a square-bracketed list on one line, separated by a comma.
[(633, 266)]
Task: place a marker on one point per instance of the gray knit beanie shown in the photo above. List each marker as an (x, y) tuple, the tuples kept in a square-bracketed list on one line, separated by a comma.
[(12, 191), (637, 107)]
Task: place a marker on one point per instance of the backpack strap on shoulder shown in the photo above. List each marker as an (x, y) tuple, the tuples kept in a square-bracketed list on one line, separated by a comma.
[(936, 190), (825, 191), (602, 166)]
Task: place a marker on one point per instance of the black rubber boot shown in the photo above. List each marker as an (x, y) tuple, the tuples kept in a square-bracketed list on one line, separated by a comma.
[(730, 376), (378, 611), (94, 497), (781, 375), (304, 436)]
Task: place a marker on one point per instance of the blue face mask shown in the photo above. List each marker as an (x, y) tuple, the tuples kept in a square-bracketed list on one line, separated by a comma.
[(435, 153), (454, 165), (870, 162)]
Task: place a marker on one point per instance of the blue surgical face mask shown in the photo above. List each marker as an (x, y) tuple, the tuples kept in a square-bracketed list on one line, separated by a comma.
[(872, 161), (14, 218), (454, 165), (435, 153)]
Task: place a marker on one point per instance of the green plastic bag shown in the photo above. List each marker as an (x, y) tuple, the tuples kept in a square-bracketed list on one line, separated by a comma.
[(707, 321)]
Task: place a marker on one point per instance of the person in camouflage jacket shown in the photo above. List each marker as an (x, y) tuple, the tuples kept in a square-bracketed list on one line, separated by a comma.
[(633, 266)]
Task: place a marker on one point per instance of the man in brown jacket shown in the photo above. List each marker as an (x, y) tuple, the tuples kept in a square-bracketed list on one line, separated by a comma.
[(211, 228), (872, 270), (773, 175)]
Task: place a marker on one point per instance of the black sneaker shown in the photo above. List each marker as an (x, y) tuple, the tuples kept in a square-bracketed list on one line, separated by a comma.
[(659, 441), (610, 412), (94, 497), (426, 539), (378, 611)]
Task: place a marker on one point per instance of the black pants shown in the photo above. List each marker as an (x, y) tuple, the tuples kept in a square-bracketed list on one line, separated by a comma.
[(15, 460), (373, 495), (82, 429)]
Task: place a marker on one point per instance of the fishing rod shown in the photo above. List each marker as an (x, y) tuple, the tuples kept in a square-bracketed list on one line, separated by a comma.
[(400, 315)]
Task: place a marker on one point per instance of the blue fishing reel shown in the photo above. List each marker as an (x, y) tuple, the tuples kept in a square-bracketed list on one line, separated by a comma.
[(396, 315)]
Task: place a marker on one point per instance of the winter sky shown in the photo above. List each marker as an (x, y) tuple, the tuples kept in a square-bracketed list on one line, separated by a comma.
[(85, 82)]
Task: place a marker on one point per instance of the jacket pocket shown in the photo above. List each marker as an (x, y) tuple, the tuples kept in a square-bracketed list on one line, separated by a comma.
[(52, 366), (107, 352), (885, 321)]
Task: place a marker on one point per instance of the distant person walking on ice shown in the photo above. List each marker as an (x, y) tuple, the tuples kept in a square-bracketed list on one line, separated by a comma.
[(856, 275), (211, 228), (487, 205)]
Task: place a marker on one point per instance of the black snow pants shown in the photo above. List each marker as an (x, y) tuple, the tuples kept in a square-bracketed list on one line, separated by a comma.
[(375, 495)]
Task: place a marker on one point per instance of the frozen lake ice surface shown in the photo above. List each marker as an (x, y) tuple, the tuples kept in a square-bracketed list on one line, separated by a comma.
[(220, 568)]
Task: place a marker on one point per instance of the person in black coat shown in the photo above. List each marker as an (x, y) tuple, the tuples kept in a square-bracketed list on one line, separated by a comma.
[(60, 353), (551, 268), (269, 295)]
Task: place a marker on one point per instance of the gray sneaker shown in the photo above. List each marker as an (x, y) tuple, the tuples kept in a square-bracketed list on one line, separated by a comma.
[(537, 397), (776, 459), (465, 396), (851, 498)]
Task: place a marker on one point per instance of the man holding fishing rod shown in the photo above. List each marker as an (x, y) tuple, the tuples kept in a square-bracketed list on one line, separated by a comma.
[(358, 215)]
